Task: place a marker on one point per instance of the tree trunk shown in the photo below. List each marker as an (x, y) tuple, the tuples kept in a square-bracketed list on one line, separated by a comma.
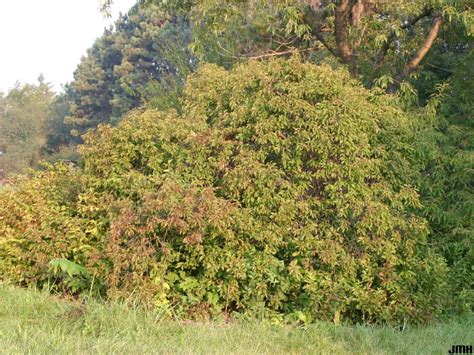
[(342, 31), (315, 5), (357, 12)]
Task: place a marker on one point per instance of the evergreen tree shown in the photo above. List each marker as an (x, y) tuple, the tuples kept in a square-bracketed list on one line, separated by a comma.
[(58, 132), (146, 56)]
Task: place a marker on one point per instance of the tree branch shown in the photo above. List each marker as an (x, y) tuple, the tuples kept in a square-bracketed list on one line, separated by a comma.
[(380, 58), (427, 11), (275, 54), (321, 39), (265, 55), (419, 55)]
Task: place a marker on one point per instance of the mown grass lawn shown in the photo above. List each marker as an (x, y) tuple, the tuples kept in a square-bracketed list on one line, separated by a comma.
[(33, 322)]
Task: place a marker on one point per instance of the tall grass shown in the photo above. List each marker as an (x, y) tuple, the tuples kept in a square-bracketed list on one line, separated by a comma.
[(34, 322)]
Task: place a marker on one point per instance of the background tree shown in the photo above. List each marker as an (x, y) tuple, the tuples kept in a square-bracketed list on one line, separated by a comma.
[(24, 112), (58, 132), (143, 58), (381, 42), (92, 89)]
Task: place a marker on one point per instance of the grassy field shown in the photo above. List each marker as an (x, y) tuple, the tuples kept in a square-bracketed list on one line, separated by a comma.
[(35, 323)]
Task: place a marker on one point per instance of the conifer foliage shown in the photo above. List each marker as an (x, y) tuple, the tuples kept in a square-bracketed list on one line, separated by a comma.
[(144, 57)]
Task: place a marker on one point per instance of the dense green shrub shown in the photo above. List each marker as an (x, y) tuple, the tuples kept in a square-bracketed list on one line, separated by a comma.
[(276, 193), (447, 185), (447, 192), (38, 222), (441, 166)]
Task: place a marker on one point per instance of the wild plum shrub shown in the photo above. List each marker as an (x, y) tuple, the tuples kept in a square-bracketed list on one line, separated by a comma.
[(273, 194)]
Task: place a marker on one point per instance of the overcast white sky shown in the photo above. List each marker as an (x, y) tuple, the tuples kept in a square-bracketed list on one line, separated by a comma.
[(49, 37)]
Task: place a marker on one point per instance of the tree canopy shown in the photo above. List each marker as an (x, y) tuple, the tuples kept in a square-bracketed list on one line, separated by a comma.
[(24, 112), (381, 42)]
